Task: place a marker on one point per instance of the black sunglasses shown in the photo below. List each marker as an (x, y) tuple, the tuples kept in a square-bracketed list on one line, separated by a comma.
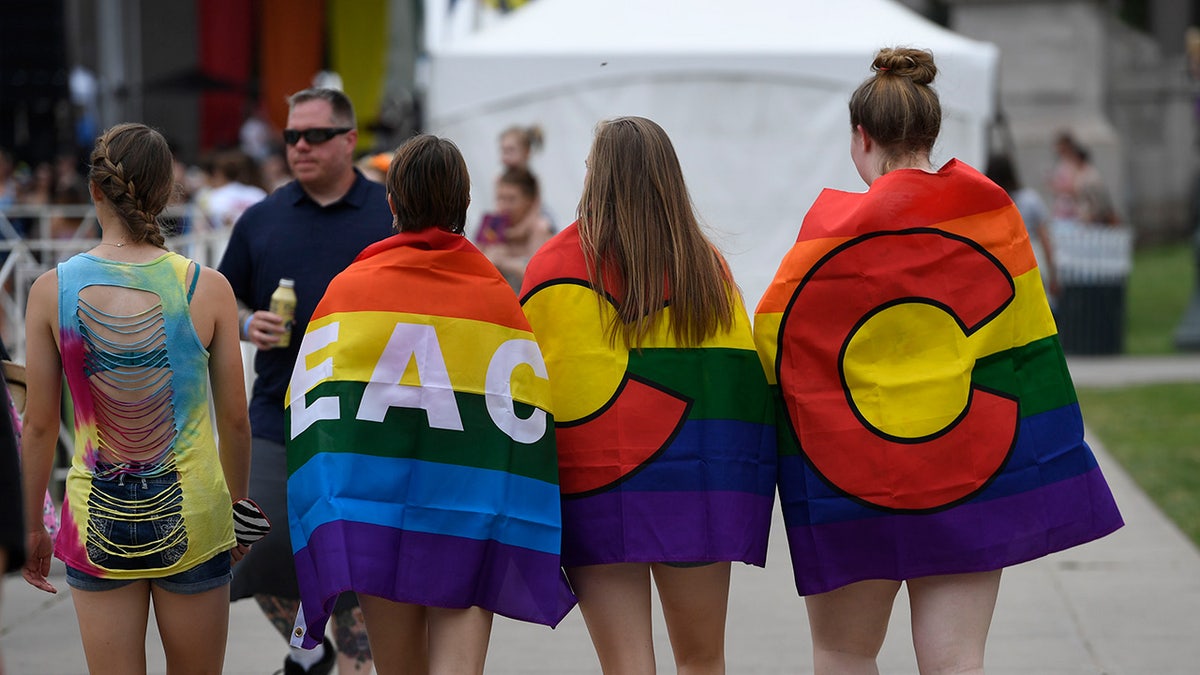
[(315, 136)]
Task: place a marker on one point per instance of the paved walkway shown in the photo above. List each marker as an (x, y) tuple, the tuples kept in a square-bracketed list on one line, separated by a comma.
[(1128, 604)]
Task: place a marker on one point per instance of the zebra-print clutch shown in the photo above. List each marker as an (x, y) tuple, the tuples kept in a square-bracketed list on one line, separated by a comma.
[(249, 522)]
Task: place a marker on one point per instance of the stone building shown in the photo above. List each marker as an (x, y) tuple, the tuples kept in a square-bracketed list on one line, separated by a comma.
[(1115, 74)]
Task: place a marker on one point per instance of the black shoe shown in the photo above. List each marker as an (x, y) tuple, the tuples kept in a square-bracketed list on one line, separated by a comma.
[(322, 667)]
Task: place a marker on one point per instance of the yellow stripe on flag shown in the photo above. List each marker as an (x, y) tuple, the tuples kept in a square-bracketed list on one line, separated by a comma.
[(467, 347), (588, 368), (1004, 332)]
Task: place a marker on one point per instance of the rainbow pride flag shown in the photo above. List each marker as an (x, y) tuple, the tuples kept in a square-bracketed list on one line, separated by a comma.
[(421, 457), (929, 424), (665, 454)]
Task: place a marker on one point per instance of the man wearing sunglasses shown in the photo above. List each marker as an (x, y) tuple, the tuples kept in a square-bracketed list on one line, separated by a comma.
[(309, 230)]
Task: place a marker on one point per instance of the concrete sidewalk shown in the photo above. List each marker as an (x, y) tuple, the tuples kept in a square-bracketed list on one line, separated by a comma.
[(1128, 604)]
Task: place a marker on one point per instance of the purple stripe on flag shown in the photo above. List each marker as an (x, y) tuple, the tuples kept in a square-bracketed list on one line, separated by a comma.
[(627, 526), (426, 569), (973, 537)]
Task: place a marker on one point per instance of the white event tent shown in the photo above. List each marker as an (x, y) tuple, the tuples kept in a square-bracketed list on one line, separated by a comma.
[(753, 94)]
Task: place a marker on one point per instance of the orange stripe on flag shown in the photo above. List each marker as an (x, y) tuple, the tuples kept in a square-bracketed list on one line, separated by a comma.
[(1013, 252)]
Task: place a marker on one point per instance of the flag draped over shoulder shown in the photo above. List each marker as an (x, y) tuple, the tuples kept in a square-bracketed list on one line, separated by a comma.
[(930, 423), (665, 454), (421, 457)]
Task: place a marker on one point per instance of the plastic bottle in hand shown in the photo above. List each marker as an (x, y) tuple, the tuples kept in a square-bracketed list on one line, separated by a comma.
[(283, 303)]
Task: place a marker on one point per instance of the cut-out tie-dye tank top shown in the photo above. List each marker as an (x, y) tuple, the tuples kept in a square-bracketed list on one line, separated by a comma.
[(145, 495)]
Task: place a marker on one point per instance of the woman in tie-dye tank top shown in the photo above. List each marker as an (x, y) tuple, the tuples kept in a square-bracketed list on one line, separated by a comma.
[(139, 333)]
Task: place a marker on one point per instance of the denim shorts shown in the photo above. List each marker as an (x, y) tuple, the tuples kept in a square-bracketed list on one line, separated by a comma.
[(212, 573), (135, 523)]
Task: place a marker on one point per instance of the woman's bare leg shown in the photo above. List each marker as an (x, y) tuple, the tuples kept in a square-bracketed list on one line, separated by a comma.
[(458, 640), (615, 602), (194, 629), (113, 627), (951, 615), (848, 626), (695, 602), (399, 635)]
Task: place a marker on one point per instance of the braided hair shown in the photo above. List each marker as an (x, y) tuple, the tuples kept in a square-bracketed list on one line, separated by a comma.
[(132, 167)]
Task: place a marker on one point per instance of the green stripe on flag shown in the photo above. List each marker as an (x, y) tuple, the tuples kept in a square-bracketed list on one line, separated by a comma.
[(785, 437), (1035, 373), (726, 384), (405, 433)]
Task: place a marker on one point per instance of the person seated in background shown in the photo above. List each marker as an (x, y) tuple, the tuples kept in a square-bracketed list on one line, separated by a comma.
[(69, 185), (65, 223), (517, 229), (274, 170), (36, 189), (1079, 191), (517, 144), (232, 188)]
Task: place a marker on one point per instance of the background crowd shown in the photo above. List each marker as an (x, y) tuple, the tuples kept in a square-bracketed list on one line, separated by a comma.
[(224, 182)]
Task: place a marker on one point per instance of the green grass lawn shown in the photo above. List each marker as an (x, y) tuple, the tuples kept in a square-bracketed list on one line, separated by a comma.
[(1154, 432), (1159, 289)]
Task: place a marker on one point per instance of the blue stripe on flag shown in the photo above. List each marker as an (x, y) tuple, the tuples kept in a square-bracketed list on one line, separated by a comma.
[(429, 497), (715, 455), (1047, 451)]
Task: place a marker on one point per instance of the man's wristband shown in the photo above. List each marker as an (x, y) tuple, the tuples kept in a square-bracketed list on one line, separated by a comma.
[(246, 326)]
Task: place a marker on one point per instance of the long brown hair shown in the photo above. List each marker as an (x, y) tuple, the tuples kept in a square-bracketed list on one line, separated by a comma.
[(636, 222)]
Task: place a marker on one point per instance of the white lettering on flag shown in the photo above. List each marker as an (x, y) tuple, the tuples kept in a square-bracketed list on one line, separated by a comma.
[(499, 390), (434, 394), (304, 379)]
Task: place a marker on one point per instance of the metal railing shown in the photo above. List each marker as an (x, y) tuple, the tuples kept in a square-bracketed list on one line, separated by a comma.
[(33, 239)]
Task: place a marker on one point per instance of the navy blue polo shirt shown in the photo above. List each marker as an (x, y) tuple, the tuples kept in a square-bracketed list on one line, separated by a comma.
[(288, 235)]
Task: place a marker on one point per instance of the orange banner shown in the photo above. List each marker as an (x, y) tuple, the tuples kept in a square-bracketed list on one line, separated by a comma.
[(291, 51)]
